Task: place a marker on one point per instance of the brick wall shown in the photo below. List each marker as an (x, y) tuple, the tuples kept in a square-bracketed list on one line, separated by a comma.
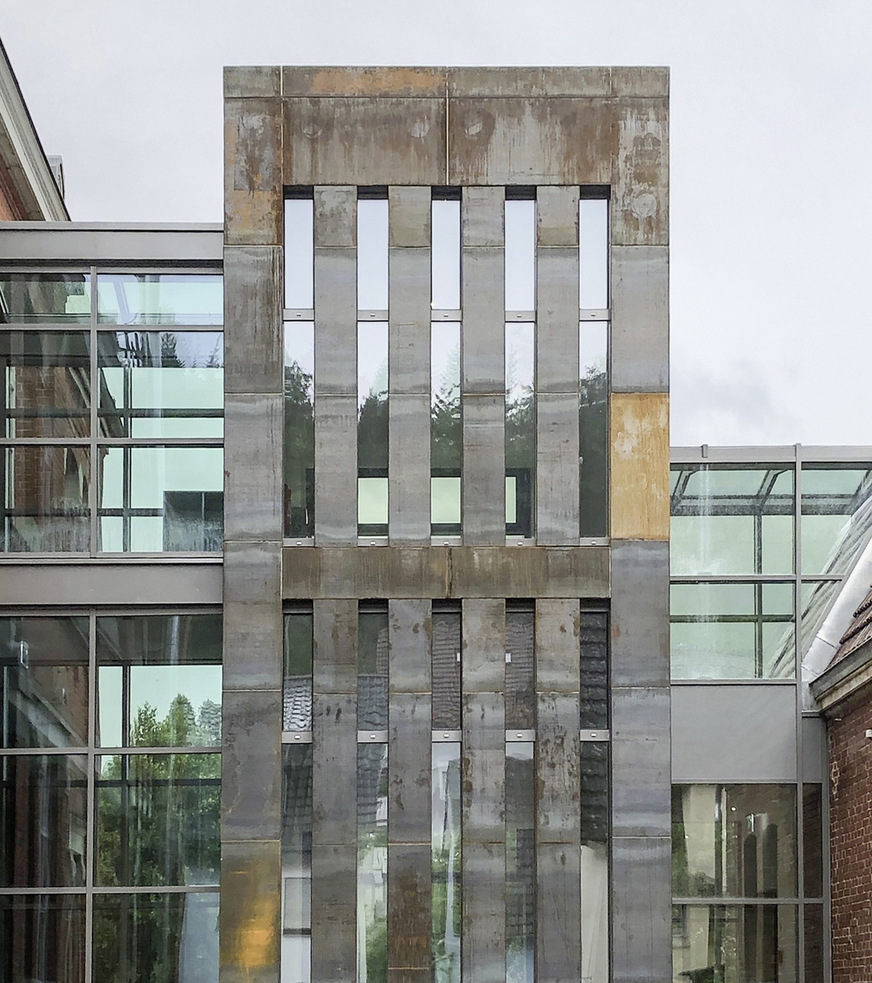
[(851, 838)]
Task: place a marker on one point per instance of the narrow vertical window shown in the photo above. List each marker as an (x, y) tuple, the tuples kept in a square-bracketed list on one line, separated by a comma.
[(520, 252), (520, 427), (593, 248), (299, 434), (446, 670), (372, 670), (445, 254), (520, 862), (520, 669), (372, 428), (446, 856), (296, 953), (446, 437), (372, 250), (593, 427), (299, 253), (372, 863), (594, 656), (297, 695)]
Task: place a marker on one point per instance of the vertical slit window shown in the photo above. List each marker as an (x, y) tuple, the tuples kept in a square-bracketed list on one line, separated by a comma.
[(299, 253), (372, 428), (446, 858), (593, 249), (520, 863), (520, 669), (520, 427), (299, 434), (446, 670), (594, 654), (445, 254), (372, 863), (446, 437), (520, 254), (593, 427), (372, 670), (595, 861), (372, 253), (296, 950), (297, 695)]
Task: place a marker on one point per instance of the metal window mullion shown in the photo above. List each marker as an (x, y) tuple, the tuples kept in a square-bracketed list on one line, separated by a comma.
[(797, 673), (91, 805), (93, 489)]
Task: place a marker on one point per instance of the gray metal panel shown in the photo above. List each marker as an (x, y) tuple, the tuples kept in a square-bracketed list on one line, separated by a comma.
[(410, 216), (483, 482), (350, 80), (409, 769), (641, 909), (410, 925), (484, 912), (409, 278), (252, 172), (409, 634), (511, 82), (409, 469), (251, 773), (335, 470), (252, 616), (253, 319), (334, 769), (640, 613), (557, 218), (557, 319), (241, 81), (336, 320), (734, 733), (483, 339), (335, 647), (814, 749), (252, 467), (484, 646), (334, 913), (640, 202), (557, 646), (557, 478), (483, 768), (558, 906), (640, 762), (482, 217), (96, 243), (335, 216), (557, 769), (640, 318), (87, 583)]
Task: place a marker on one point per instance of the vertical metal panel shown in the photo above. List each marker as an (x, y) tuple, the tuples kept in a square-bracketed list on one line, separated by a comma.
[(483, 485), (336, 319), (641, 761), (640, 613), (335, 470), (639, 466), (640, 207), (483, 637), (409, 272), (409, 767), (557, 641), (558, 919), (640, 319), (409, 469), (252, 171), (484, 912), (557, 750), (410, 627), (252, 616), (557, 492), (252, 479), (484, 323)]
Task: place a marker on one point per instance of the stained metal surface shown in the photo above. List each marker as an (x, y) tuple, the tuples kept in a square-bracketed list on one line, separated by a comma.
[(252, 81), (335, 471), (409, 908), (409, 469), (409, 798), (558, 907), (640, 613), (483, 338), (252, 467), (335, 212), (557, 317), (483, 482), (410, 217), (557, 769), (335, 647), (557, 640), (334, 909), (557, 218), (483, 635), (640, 296), (484, 911), (252, 171), (409, 319), (409, 633), (640, 210), (336, 320), (557, 471), (252, 616)]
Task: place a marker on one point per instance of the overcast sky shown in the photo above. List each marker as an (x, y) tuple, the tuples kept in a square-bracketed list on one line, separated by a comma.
[(771, 135)]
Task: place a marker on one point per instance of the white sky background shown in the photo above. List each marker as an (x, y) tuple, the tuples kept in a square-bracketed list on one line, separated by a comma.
[(771, 133)]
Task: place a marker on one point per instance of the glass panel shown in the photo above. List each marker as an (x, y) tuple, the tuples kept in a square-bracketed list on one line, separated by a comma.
[(160, 298), (520, 863), (372, 671), (165, 938), (813, 918), (816, 598), (726, 943), (299, 253), (170, 499), (43, 809), (299, 451), (296, 863), (46, 383), (446, 437), (372, 863), (734, 841), (159, 681), (45, 298), (161, 384), (445, 255), (595, 862), (372, 254), (446, 670), (46, 500), (42, 938), (593, 253), (835, 516), (297, 712), (520, 669), (372, 428), (520, 426), (520, 255), (732, 631), (44, 682), (446, 847), (594, 653), (732, 521), (812, 841), (158, 819), (593, 427)]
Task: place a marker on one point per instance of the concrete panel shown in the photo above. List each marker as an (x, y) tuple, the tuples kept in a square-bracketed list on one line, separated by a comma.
[(343, 81), (530, 141), (409, 799), (640, 319), (335, 216), (641, 909), (334, 769), (335, 647), (814, 749), (410, 216), (734, 733), (557, 319), (251, 769), (252, 467), (252, 81), (252, 172), (641, 783), (253, 319), (513, 82), (250, 917), (557, 646), (410, 925), (640, 81), (483, 656), (483, 482), (446, 572), (557, 769), (639, 488), (640, 614), (409, 469), (640, 206), (252, 616), (409, 339), (557, 217), (483, 769), (558, 913), (557, 490), (335, 470), (484, 912), (482, 217), (336, 317), (396, 141), (483, 368), (409, 633)]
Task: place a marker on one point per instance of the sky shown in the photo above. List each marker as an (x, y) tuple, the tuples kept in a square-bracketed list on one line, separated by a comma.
[(771, 145)]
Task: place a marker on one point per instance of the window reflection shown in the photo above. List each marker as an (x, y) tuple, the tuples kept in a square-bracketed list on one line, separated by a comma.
[(300, 253), (593, 428), (372, 863), (372, 428), (296, 863), (446, 669), (446, 437), (372, 671), (297, 697), (446, 858), (520, 427), (42, 938), (594, 762), (445, 254), (520, 669), (520, 863), (836, 509), (160, 298), (593, 647), (372, 254), (299, 435), (45, 298)]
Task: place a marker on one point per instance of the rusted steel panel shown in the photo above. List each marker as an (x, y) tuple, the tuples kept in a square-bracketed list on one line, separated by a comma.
[(639, 490), (252, 172), (250, 916)]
